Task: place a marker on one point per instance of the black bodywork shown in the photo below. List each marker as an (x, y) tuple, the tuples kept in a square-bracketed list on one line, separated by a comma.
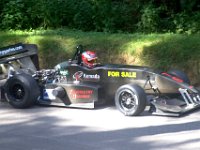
[(132, 88)]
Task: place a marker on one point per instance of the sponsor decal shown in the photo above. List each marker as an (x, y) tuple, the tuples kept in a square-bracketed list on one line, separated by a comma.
[(11, 50), (123, 74), (64, 72), (80, 76), (81, 94)]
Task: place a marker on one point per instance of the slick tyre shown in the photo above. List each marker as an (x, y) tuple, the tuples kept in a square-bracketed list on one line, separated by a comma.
[(180, 74), (21, 91), (130, 100)]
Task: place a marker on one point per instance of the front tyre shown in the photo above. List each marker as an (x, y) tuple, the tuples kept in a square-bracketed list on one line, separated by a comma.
[(130, 100), (21, 90)]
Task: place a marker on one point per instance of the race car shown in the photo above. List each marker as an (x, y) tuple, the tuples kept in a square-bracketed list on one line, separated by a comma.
[(83, 82)]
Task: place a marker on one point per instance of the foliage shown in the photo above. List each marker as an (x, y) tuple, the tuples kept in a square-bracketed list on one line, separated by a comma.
[(181, 16), (83, 18), (160, 51), (184, 23), (149, 19), (12, 15)]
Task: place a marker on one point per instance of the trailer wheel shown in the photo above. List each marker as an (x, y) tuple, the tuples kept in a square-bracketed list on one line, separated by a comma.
[(21, 91), (180, 74), (130, 100)]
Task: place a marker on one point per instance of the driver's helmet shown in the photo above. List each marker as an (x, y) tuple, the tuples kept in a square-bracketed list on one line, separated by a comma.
[(89, 59)]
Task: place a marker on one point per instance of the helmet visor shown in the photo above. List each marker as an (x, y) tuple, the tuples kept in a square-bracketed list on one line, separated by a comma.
[(92, 61)]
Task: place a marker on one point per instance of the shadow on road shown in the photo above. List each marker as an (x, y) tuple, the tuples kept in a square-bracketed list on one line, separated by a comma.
[(50, 133)]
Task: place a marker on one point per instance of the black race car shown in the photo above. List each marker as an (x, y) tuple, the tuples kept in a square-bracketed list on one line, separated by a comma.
[(74, 84)]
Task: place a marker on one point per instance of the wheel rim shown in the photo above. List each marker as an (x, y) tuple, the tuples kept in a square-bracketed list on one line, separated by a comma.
[(128, 100), (17, 91)]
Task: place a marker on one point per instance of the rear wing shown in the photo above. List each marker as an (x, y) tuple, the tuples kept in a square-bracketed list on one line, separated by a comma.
[(25, 54)]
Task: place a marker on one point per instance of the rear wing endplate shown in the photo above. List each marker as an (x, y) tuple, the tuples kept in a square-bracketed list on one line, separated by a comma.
[(19, 52)]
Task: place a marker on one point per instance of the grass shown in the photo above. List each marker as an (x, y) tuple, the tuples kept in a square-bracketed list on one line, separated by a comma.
[(162, 51)]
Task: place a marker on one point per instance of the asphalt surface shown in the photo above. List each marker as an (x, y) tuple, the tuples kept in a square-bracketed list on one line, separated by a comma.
[(53, 128)]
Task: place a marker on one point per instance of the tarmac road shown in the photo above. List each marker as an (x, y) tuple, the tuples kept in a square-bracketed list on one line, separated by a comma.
[(53, 128)]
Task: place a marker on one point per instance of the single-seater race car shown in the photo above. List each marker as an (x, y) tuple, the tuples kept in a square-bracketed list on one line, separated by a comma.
[(82, 82)]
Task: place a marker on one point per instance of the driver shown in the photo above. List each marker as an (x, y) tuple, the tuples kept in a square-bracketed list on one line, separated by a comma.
[(89, 59)]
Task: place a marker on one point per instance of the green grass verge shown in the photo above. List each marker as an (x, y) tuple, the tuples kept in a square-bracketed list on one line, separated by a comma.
[(162, 51)]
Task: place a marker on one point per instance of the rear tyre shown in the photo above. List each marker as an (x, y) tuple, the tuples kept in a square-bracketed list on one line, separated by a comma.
[(21, 91), (130, 100), (181, 75)]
